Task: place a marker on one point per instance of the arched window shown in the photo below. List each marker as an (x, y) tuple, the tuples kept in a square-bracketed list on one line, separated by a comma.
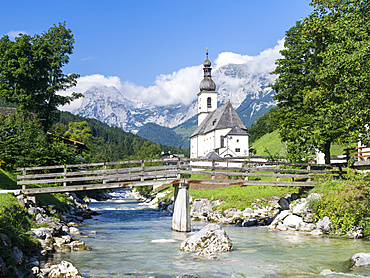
[(209, 102)]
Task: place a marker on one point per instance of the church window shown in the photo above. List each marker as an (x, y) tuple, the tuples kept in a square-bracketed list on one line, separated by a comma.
[(237, 150), (209, 102), (222, 142)]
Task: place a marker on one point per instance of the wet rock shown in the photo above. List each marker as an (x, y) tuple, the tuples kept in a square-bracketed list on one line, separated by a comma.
[(250, 223), (212, 237), (360, 260), (279, 218), (43, 232), (307, 227), (316, 232), (74, 231), (216, 216), (326, 272), (356, 232), (79, 245)]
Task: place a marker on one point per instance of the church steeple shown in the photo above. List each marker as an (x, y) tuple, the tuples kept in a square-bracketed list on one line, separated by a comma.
[(207, 83), (207, 97)]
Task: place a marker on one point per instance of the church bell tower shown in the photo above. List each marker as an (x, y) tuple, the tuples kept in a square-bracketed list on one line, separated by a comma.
[(207, 97)]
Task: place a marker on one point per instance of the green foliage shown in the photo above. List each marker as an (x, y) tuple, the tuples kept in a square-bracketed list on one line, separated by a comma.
[(107, 143), (241, 197), (14, 222), (345, 202), (58, 201), (24, 143), (7, 180), (262, 126), (145, 191), (31, 71), (323, 84), (163, 135)]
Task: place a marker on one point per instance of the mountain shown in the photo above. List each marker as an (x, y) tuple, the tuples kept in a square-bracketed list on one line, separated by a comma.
[(243, 85)]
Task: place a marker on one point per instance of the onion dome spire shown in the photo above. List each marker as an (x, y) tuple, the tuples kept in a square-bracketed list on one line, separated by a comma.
[(207, 83)]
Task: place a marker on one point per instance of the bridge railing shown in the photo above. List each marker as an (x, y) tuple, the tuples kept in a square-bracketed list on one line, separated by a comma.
[(177, 170)]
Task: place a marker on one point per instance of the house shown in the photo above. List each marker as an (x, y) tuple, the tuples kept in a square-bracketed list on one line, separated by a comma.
[(220, 130), (5, 111)]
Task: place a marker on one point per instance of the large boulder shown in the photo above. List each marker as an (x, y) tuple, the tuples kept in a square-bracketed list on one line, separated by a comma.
[(356, 232), (324, 225), (360, 259), (293, 222), (210, 239), (283, 203)]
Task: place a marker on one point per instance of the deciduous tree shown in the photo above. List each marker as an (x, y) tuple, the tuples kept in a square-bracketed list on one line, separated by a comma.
[(31, 71)]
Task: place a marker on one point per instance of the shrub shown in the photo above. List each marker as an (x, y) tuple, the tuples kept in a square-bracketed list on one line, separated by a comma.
[(345, 202)]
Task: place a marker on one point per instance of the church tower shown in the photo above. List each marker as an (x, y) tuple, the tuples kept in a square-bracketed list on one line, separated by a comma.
[(207, 97)]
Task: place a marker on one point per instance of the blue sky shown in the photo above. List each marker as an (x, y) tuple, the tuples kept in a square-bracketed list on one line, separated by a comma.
[(137, 41)]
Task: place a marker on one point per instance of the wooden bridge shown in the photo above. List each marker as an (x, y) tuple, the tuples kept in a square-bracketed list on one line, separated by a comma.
[(180, 172)]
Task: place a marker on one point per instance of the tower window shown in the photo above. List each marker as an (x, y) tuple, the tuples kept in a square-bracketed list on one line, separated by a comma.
[(237, 150), (209, 102)]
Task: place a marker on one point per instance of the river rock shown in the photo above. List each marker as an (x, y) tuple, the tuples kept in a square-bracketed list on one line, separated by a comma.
[(326, 272), (356, 232), (293, 222), (298, 207), (360, 260), (64, 269), (283, 203), (186, 276), (250, 222), (324, 225), (42, 232), (279, 218), (17, 255), (216, 216), (232, 212), (79, 245), (201, 208), (74, 231), (211, 238)]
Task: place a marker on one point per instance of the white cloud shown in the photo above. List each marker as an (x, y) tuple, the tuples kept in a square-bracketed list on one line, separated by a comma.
[(262, 63), (13, 34), (181, 86)]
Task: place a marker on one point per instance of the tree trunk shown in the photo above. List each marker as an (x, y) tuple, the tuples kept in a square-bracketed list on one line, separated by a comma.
[(327, 152)]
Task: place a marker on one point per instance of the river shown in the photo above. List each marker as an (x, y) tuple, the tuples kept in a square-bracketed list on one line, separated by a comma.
[(135, 241)]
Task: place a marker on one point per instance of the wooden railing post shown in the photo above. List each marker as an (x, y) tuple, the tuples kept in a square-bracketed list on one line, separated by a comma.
[(65, 175), (178, 175), (104, 168), (24, 173), (278, 172), (142, 171), (309, 172), (246, 171), (213, 169)]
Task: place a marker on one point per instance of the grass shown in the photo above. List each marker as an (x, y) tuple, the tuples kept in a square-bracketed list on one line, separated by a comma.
[(269, 144), (8, 180), (241, 197)]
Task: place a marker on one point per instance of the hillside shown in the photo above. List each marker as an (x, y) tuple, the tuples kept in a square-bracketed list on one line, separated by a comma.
[(106, 143), (269, 144)]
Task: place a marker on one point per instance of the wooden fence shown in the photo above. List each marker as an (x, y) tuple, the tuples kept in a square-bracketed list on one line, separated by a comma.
[(358, 154), (64, 178)]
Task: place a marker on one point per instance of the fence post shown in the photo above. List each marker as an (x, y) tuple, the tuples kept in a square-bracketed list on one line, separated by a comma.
[(309, 171), (213, 169), (178, 168), (24, 173), (246, 171), (104, 168), (142, 171), (65, 175), (278, 172)]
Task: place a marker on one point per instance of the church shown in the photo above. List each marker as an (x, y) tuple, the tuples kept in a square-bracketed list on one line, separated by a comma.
[(220, 131)]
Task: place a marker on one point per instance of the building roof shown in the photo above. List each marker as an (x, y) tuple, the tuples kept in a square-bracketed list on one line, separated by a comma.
[(6, 111), (212, 155), (221, 118), (237, 131)]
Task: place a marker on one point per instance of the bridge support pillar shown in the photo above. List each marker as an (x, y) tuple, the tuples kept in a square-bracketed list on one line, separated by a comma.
[(181, 213)]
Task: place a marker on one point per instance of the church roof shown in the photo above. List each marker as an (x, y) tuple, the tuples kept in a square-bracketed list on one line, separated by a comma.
[(237, 131), (223, 117), (212, 155)]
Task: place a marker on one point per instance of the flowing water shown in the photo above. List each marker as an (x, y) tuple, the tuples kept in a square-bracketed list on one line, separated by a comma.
[(135, 241)]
